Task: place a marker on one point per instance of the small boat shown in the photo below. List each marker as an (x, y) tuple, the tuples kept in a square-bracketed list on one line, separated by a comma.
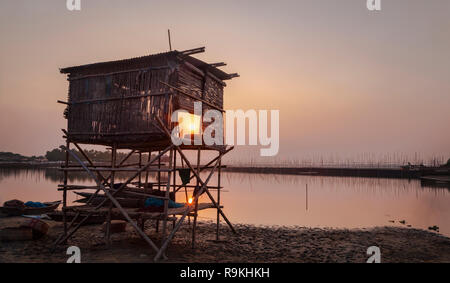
[(96, 200), (435, 181), (124, 202), (17, 211)]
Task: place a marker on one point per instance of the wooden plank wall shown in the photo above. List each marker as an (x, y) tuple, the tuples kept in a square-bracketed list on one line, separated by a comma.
[(92, 112)]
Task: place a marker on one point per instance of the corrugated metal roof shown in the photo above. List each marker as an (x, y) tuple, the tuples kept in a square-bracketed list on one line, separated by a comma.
[(146, 61)]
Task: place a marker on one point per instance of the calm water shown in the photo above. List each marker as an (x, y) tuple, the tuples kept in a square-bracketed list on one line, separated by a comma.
[(284, 200)]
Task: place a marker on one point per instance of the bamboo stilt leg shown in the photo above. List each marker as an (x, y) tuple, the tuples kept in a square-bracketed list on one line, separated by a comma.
[(166, 131), (90, 200), (159, 186), (65, 190), (206, 189), (166, 200), (218, 200), (186, 212), (187, 200), (112, 195), (159, 173), (194, 225), (174, 179), (185, 191), (116, 203), (140, 165), (204, 167), (146, 173), (100, 176), (108, 219)]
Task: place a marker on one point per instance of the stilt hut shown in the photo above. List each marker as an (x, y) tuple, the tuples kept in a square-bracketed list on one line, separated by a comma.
[(127, 105), (117, 101)]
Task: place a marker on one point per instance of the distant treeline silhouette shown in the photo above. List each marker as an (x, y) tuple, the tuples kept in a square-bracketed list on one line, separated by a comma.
[(10, 156), (59, 154)]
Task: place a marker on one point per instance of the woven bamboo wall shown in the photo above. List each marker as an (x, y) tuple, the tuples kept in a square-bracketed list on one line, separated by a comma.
[(118, 106)]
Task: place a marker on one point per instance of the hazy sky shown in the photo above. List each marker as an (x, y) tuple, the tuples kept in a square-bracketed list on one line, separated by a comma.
[(347, 81)]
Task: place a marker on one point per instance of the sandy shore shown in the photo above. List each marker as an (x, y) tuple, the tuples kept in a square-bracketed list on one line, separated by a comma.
[(253, 244)]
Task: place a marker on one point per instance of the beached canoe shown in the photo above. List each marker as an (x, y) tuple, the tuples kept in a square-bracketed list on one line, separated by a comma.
[(124, 202), (16, 211)]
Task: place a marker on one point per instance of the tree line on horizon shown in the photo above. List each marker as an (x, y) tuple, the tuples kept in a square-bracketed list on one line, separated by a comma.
[(59, 154)]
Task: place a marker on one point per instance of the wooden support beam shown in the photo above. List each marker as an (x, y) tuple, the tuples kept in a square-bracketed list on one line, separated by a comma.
[(234, 75), (166, 131), (98, 100), (193, 51), (113, 194), (220, 64), (79, 187), (146, 173), (88, 160), (65, 192), (218, 200), (111, 185), (140, 165), (207, 166), (194, 224), (186, 213), (116, 204), (166, 200), (72, 78), (122, 162), (206, 190), (197, 195), (119, 169), (193, 97)]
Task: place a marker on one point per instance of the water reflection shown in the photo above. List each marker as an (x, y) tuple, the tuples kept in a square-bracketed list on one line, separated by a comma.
[(344, 202), (265, 199), (54, 175)]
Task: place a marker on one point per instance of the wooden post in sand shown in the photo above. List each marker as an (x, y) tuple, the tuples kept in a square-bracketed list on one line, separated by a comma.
[(140, 165), (194, 225), (218, 200), (174, 179), (65, 189), (113, 174), (166, 199)]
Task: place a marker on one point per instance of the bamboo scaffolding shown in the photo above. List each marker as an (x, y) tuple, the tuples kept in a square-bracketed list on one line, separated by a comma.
[(116, 204), (68, 235), (117, 104)]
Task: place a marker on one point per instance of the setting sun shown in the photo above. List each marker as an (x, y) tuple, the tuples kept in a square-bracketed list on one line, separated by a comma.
[(189, 124)]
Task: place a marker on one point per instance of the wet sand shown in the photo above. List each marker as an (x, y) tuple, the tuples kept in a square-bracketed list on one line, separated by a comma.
[(253, 244)]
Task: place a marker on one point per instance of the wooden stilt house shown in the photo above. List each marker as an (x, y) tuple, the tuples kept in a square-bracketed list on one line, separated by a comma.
[(127, 105)]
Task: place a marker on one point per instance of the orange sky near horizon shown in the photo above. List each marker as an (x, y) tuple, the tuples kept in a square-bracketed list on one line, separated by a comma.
[(347, 81)]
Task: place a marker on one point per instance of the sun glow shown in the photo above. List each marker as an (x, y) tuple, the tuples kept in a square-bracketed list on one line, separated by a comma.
[(189, 124)]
